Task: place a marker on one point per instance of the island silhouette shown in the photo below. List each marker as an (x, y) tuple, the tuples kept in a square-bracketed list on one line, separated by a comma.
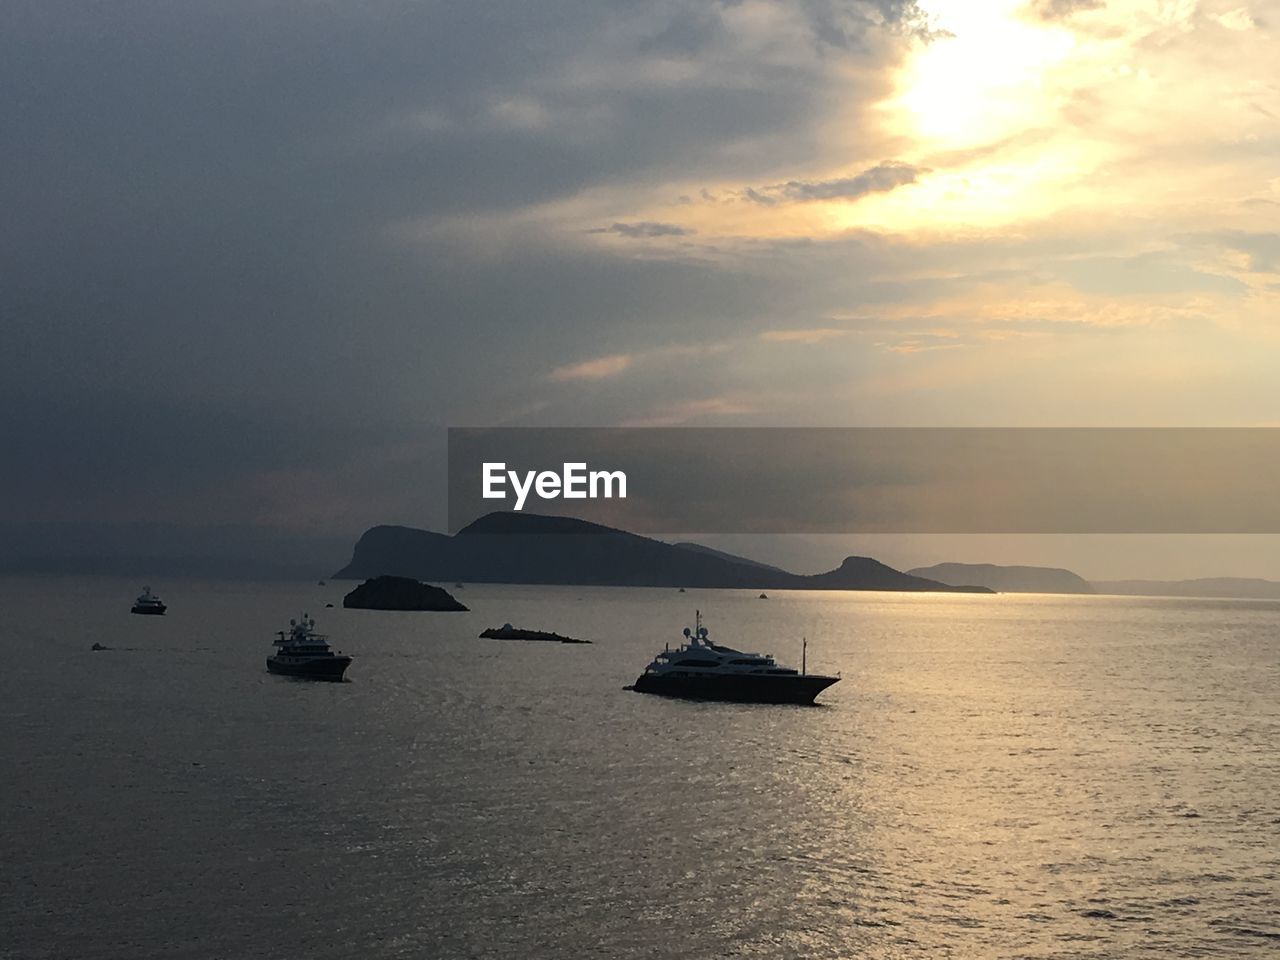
[(1007, 579), (538, 549)]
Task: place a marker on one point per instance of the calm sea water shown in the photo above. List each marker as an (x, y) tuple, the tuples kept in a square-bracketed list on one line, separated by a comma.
[(1010, 776)]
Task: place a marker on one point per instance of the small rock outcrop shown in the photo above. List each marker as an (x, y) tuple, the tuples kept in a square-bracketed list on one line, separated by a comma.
[(400, 593), (508, 632)]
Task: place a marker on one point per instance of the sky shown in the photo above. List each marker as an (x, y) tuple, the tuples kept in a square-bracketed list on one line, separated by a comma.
[(258, 256)]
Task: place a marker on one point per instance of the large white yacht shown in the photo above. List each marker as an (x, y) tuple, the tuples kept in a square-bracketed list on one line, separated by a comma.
[(701, 670), (148, 603)]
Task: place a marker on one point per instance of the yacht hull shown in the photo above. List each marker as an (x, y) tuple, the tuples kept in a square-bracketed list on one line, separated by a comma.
[(149, 611), (737, 689), (316, 668)]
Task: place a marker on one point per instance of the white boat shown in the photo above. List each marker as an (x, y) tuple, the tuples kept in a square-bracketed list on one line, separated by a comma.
[(701, 670), (305, 653), (148, 603)]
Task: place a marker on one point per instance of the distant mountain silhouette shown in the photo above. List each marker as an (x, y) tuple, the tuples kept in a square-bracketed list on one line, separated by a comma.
[(530, 548), (1241, 588), (684, 545), (874, 575), (1007, 579)]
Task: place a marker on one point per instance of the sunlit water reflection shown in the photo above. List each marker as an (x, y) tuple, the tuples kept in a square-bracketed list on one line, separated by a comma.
[(994, 776)]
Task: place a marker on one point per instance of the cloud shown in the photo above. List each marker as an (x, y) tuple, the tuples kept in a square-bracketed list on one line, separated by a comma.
[(600, 368), (1261, 249), (520, 113), (678, 414), (1061, 9), (1238, 19), (234, 199), (1145, 274), (808, 336), (612, 365), (645, 229), (881, 178), (922, 342)]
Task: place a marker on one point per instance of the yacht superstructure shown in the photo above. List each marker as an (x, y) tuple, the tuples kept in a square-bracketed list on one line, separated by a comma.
[(701, 670), (304, 653), (148, 603)]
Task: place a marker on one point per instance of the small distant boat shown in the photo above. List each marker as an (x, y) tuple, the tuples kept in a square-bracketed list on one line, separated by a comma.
[(305, 653), (763, 596), (148, 603), (702, 670)]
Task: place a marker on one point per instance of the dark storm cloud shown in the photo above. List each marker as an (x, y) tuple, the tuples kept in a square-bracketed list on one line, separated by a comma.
[(200, 198), (123, 447)]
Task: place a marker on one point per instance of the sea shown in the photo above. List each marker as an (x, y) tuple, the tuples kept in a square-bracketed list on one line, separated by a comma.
[(993, 776)]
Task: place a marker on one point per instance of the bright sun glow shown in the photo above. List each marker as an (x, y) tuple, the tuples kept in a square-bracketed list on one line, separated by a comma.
[(1014, 121), (989, 81), (985, 81)]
